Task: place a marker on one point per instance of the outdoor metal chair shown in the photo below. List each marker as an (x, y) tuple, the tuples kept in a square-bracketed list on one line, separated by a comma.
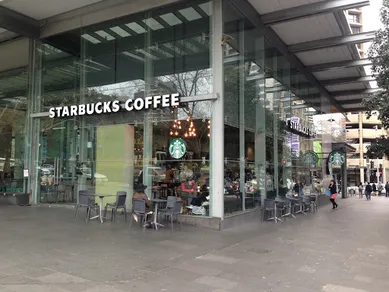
[(139, 210), (269, 207), (173, 211), (314, 205), (171, 201), (281, 207), (84, 200), (120, 203), (307, 206)]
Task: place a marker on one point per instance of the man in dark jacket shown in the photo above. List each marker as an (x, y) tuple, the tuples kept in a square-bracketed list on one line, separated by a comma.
[(387, 189), (374, 187), (368, 191)]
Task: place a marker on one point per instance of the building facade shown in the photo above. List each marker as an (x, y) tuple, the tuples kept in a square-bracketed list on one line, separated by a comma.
[(182, 95), (361, 132)]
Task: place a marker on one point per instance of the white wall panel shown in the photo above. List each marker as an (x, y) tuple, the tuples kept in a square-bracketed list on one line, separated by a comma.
[(266, 6), (308, 29), (14, 54), (328, 55), (334, 74), (350, 86)]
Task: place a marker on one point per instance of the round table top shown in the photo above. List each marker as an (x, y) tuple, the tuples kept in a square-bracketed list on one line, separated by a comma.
[(158, 200), (101, 195)]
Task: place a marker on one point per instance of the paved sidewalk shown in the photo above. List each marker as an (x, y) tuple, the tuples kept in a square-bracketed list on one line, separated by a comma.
[(347, 250)]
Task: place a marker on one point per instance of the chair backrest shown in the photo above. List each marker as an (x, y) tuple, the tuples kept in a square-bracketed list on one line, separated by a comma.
[(83, 198), (177, 207), (121, 198), (171, 202), (139, 206), (306, 199), (269, 203)]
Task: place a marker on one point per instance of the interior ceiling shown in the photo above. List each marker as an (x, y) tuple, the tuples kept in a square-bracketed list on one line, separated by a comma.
[(42, 9)]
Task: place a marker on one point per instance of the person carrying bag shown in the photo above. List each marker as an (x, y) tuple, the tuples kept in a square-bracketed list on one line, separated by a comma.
[(333, 194)]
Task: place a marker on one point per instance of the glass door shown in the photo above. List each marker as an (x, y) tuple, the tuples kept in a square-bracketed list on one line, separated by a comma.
[(58, 163)]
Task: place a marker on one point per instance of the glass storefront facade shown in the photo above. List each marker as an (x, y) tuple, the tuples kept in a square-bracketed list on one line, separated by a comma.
[(268, 130)]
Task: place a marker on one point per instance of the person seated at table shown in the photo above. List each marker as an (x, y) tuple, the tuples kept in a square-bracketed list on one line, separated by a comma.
[(189, 186), (140, 195)]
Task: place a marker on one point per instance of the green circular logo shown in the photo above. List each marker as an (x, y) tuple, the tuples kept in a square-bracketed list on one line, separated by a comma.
[(177, 148), (337, 158), (310, 158)]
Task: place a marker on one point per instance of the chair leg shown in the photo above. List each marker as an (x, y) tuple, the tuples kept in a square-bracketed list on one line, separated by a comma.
[(105, 211), (125, 214), (171, 220), (113, 213), (132, 218), (88, 211), (75, 215), (178, 218)]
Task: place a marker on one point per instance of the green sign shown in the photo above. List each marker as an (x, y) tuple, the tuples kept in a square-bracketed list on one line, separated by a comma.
[(310, 158), (337, 158), (177, 148)]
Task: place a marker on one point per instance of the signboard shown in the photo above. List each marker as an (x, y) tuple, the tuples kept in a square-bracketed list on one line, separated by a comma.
[(310, 158), (25, 173), (295, 126), (177, 148), (337, 158), (106, 107)]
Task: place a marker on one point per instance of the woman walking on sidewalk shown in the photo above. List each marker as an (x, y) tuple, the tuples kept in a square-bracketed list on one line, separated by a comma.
[(334, 195)]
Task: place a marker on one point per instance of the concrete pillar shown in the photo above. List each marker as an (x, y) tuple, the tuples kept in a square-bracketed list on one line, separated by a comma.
[(217, 119)]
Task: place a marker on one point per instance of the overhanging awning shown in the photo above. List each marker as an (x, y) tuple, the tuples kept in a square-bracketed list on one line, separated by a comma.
[(317, 40)]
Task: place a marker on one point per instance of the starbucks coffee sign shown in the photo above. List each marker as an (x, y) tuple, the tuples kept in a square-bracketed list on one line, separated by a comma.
[(337, 158), (296, 126), (105, 107), (177, 148)]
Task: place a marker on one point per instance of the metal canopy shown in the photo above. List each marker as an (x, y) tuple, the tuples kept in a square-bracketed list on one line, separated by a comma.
[(19, 23), (348, 80), (317, 33), (356, 92), (333, 42), (339, 65), (255, 18), (310, 9)]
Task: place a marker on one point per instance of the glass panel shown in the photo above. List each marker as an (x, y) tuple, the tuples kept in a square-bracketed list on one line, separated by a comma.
[(149, 54), (263, 94), (13, 113)]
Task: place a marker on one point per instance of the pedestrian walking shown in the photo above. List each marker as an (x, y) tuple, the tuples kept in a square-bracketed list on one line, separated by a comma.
[(368, 191), (387, 189), (374, 188), (333, 194), (360, 188)]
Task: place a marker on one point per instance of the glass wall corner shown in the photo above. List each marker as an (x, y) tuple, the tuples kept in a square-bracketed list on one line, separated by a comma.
[(153, 53)]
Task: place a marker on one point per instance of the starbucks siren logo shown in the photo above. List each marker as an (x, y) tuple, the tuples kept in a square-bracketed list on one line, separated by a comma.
[(310, 158), (337, 158), (177, 148)]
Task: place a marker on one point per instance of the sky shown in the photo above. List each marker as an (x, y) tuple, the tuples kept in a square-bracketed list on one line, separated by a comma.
[(371, 21), (371, 15)]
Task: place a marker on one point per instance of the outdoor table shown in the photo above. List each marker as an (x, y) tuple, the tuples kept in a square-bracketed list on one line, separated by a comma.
[(156, 203), (298, 200), (101, 207), (290, 213)]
